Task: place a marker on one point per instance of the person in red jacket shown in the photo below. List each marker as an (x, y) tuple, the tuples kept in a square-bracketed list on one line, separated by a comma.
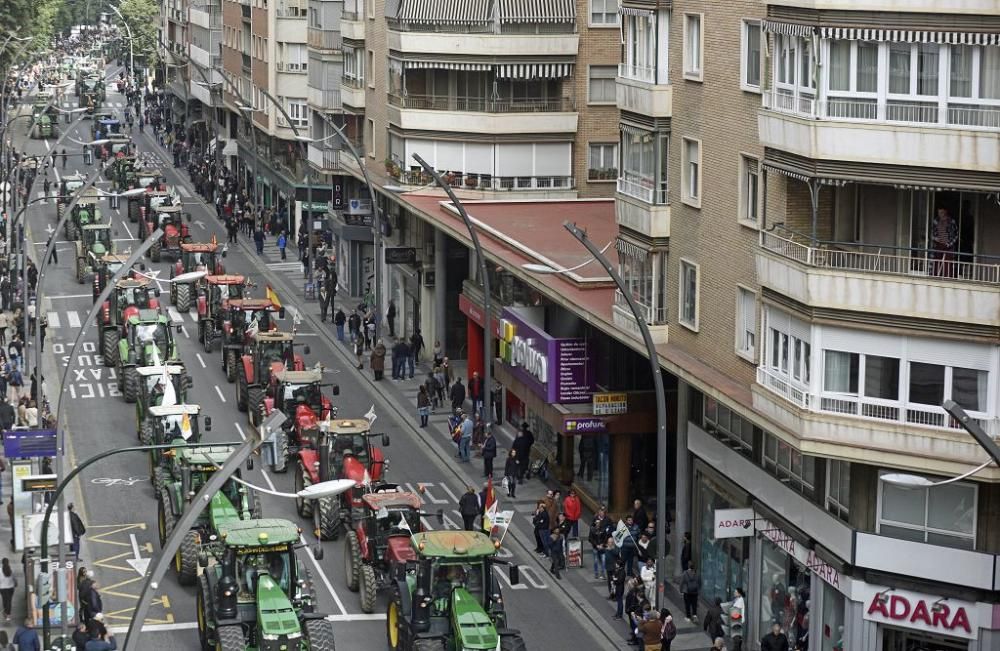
[(573, 510)]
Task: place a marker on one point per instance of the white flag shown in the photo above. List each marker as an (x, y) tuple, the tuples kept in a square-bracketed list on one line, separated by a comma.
[(253, 327), (169, 394), (367, 479), (382, 513), (621, 532), (371, 416), (403, 524)]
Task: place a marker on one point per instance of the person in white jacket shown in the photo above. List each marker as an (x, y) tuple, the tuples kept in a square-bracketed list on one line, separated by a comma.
[(648, 576)]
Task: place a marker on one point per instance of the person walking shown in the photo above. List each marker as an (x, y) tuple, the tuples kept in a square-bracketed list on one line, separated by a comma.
[(4, 322), (522, 444), (457, 394), (668, 630), (510, 472), (416, 346), (282, 243), (258, 240), (690, 586), (489, 452), (329, 294), (476, 392), (557, 559), (26, 637), (423, 405), (339, 319), (618, 576), (7, 584), (390, 317), (713, 620), (468, 508), (354, 325), (465, 439), (76, 525), (378, 360)]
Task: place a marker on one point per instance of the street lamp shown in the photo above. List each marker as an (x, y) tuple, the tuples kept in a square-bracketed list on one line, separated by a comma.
[(661, 403), (131, 53)]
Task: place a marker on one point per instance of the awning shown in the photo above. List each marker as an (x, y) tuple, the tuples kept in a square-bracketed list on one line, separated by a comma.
[(788, 29), (635, 11), (445, 12), (798, 176), (909, 36), (537, 11), (626, 248), (534, 70), (446, 65), (634, 131)]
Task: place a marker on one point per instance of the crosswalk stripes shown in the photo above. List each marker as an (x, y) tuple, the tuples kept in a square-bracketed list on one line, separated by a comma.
[(73, 318), (175, 316), (53, 318), (285, 266), (184, 192)]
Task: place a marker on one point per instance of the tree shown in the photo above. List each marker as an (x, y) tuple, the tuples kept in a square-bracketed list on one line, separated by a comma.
[(142, 19)]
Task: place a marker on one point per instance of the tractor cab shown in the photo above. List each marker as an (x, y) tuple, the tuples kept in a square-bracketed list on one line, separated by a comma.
[(105, 124), (199, 256), (174, 422), (107, 266), (299, 395), (151, 179), (243, 312), (391, 516), (96, 239), (169, 218), (85, 212), (151, 388), (41, 103), (134, 295), (219, 289), (70, 184)]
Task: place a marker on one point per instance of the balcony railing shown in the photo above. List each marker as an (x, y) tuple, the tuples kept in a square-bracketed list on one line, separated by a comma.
[(292, 12), (653, 316), (486, 182), (645, 74), (352, 82), (351, 16), (643, 189), (481, 104), (324, 39), (879, 259), (489, 27), (301, 68), (954, 114), (327, 100)]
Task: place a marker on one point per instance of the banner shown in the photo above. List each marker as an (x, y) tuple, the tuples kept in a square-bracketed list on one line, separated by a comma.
[(621, 533)]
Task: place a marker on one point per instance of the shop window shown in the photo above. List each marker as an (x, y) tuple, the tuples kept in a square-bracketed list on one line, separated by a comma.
[(785, 593), (940, 515), (729, 427), (746, 322), (791, 467), (723, 563), (592, 463), (832, 631), (838, 488)]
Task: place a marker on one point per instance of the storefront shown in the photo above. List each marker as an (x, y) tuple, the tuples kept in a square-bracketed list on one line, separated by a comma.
[(353, 242), (723, 562), (915, 621)]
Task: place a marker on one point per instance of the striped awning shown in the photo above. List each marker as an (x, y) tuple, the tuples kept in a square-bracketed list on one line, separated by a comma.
[(445, 12), (537, 11), (635, 11), (446, 65), (633, 130), (788, 29), (534, 70), (626, 248), (909, 36), (798, 176)]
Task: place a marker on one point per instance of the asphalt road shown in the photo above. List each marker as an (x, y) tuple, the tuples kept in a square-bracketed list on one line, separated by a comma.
[(116, 499)]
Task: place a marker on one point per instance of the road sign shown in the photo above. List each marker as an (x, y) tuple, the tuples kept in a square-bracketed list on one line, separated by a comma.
[(400, 255)]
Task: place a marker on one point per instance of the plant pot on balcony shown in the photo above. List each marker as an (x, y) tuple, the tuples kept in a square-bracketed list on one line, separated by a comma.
[(471, 182)]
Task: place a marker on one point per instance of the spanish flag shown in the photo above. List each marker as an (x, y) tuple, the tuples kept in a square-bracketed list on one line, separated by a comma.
[(490, 507), (273, 297), (186, 431)]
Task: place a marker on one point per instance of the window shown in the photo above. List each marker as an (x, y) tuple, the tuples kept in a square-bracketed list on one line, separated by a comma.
[(603, 12), (370, 70), (692, 46), (975, 71), (838, 488), (746, 322), (728, 426), (931, 383), (298, 111), (939, 515), (691, 183), (749, 189), (790, 466), (644, 164), (295, 57), (603, 162), (789, 356), (840, 372), (750, 62), (854, 66), (602, 85), (639, 50), (370, 137), (689, 295)]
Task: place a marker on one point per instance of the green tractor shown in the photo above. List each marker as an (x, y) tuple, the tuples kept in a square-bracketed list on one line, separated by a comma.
[(41, 104), (169, 424), (151, 390), (45, 127), (258, 595), (94, 243), (449, 597), (145, 331), (187, 470), (67, 187), (85, 212), (107, 266), (129, 298)]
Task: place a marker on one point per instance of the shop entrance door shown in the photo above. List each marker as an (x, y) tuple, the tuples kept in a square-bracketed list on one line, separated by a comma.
[(895, 639)]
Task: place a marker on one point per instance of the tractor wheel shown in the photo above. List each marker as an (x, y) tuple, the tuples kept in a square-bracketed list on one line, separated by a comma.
[(319, 632), (329, 517), (173, 291), (229, 361), (369, 589), (131, 380), (512, 643), (154, 251), (109, 340), (230, 638), (241, 389), (280, 452), (304, 507), (133, 212), (81, 270), (187, 559), (394, 624), (204, 601), (255, 406), (183, 298), (164, 518), (352, 560), (146, 433), (309, 596), (429, 644), (159, 480)]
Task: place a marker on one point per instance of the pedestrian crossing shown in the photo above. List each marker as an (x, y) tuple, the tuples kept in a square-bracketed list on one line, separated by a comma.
[(69, 319), (73, 105)]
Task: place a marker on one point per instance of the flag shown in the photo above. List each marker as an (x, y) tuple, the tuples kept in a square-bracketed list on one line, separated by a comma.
[(490, 507), (382, 513), (620, 533), (501, 522), (403, 524), (186, 427), (253, 327), (273, 297), (215, 242), (169, 395), (367, 479), (371, 416)]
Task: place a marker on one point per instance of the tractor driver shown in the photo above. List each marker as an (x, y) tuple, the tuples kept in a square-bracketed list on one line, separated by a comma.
[(156, 395), (448, 578)]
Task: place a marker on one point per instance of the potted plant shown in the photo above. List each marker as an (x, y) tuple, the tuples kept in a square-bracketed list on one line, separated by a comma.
[(593, 173), (471, 180), (391, 168)]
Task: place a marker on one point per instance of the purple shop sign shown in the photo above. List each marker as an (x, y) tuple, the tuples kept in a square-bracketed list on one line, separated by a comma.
[(586, 425), (557, 370)]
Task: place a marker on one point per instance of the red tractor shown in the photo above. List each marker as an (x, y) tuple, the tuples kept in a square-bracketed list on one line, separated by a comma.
[(299, 396), (214, 294), (341, 449), (377, 549), (194, 256), (267, 353), (140, 205), (169, 217), (238, 327)]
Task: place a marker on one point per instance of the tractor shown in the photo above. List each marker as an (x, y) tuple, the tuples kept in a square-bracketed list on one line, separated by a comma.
[(194, 256), (150, 178), (45, 127), (175, 232), (40, 105), (258, 594), (104, 125), (267, 353), (151, 390), (121, 172), (95, 241), (67, 187), (339, 449), (214, 294), (107, 266), (84, 212), (298, 395), (449, 597), (144, 331), (129, 298), (166, 424), (187, 470), (378, 548), (238, 317), (143, 204)]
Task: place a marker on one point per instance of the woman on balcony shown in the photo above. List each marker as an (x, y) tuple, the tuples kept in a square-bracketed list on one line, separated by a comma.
[(944, 239)]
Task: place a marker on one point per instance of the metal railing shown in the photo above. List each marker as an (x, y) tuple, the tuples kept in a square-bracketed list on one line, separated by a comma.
[(643, 188), (324, 39), (327, 100), (955, 114), (881, 259), (783, 387), (482, 104), (645, 74), (488, 27), (353, 82), (486, 182), (653, 316), (291, 12)]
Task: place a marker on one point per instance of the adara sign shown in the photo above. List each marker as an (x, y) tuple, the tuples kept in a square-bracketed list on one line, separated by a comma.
[(924, 612)]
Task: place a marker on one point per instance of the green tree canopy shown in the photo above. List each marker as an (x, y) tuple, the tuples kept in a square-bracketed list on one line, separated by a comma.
[(142, 18)]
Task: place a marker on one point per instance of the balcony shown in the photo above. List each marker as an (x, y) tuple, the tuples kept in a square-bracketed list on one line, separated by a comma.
[(880, 279), (293, 68), (972, 7), (323, 39), (325, 100), (642, 217), (656, 319), (485, 182), (352, 92), (466, 114), (352, 26), (957, 136), (636, 90), (324, 159), (206, 16), (480, 40)]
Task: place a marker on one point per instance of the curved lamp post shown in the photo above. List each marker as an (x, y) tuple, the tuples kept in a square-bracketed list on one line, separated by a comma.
[(661, 400)]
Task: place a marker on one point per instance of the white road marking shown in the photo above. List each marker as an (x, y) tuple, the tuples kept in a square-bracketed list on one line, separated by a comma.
[(200, 360), (175, 316), (284, 266), (322, 575), (128, 230), (53, 319), (57, 175), (221, 397), (183, 191), (73, 318), (360, 617), (185, 332), (193, 313), (239, 430), (190, 626), (53, 298), (47, 146)]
